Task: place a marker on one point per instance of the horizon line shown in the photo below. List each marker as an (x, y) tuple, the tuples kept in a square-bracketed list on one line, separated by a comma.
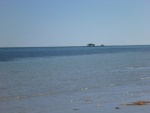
[(72, 46)]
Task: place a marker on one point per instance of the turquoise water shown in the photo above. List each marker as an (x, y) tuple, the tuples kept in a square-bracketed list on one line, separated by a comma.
[(52, 80)]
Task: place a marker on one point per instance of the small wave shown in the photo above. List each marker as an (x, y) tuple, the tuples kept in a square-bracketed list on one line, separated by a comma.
[(23, 96), (145, 78)]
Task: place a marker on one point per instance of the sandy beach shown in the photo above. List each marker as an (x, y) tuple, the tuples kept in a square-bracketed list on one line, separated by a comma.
[(112, 107)]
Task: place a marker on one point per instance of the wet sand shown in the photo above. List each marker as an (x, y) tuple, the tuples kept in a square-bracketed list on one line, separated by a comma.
[(135, 105), (90, 104), (115, 107)]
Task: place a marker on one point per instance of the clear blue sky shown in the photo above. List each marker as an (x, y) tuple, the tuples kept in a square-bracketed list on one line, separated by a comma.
[(74, 22)]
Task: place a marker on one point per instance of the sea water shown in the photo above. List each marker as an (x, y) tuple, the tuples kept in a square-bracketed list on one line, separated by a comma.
[(62, 79)]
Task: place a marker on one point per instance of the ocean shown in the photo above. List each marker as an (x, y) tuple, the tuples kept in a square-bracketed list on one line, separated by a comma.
[(72, 79)]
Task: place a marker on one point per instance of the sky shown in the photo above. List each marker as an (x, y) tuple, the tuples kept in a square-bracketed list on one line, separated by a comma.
[(40, 23)]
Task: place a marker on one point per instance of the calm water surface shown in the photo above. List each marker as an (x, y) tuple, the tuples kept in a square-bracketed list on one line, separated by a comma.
[(61, 79)]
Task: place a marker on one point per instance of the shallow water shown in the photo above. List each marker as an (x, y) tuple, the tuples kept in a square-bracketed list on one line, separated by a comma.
[(53, 80)]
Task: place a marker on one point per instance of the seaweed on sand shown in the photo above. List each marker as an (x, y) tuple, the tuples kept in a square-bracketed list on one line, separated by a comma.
[(139, 103)]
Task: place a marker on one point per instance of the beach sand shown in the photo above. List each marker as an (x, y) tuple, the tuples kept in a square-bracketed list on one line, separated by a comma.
[(87, 105), (123, 106), (114, 107)]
